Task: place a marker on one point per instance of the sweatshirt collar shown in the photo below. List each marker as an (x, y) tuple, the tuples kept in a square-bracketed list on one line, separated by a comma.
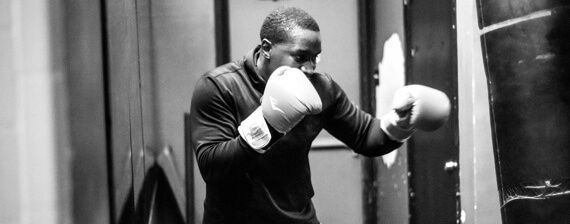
[(251, 69)]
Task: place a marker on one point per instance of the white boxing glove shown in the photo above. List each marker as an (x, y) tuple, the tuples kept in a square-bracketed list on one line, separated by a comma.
[(415, 107), (288, 96)]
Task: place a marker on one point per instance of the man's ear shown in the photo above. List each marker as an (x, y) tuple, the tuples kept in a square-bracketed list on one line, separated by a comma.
[(266, 47)]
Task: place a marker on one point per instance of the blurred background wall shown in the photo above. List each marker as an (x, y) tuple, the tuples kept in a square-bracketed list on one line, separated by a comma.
[(35, 164)]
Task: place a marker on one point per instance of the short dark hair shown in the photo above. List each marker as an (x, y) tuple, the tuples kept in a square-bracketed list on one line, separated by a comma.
[(280, 22)]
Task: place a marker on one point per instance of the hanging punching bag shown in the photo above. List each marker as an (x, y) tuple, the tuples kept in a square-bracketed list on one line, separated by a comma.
[(526, 51)]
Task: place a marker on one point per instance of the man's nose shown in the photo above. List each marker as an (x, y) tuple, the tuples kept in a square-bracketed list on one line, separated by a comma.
[(308, 67)]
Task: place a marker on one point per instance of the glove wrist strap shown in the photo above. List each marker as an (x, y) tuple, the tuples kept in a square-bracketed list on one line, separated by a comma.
[(390, 127), (255, 132)]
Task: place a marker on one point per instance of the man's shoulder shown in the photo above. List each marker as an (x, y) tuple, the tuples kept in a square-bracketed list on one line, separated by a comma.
[(322, 80), (222, 71), (226, 74), (225, 78), (329, 91)]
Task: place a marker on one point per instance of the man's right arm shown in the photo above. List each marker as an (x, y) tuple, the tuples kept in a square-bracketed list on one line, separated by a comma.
[(221, 153)]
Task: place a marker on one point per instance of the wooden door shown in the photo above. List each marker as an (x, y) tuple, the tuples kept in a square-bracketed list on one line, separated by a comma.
[(383, 62), (431, 59)]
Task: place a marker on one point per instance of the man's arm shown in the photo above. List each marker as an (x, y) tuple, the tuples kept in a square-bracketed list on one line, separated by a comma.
[(220, 151), (356, 128), (414, 107)]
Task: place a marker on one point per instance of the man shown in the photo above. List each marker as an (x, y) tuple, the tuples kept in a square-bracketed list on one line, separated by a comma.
[(253, 122)]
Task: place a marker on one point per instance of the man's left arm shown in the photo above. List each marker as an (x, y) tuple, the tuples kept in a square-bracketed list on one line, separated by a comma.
[(413, 107), (356, 128)]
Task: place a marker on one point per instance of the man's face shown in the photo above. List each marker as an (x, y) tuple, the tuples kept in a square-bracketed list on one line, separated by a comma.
[(300, 52)]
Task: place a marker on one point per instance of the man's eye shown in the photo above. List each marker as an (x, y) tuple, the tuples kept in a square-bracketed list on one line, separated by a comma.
[(301, 58), (306, 58)]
